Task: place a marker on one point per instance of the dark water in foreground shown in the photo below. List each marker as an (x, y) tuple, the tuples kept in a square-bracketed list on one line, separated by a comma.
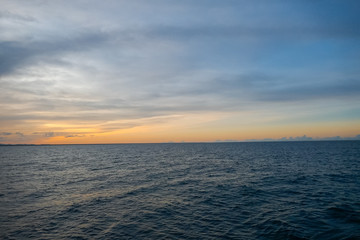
[(293, 190)]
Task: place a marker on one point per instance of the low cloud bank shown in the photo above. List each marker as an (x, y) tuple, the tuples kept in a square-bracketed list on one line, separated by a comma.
[(304, 138)]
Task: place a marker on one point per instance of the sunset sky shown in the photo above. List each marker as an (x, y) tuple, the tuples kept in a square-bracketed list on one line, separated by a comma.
[(165, 70)]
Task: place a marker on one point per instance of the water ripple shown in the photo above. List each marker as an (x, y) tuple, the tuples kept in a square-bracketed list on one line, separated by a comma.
[(297, 190)]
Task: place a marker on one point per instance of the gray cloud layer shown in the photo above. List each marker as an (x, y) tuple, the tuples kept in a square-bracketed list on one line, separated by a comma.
[(97, 63)]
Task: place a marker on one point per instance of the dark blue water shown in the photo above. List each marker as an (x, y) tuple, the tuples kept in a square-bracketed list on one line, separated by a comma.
[(284, 190)]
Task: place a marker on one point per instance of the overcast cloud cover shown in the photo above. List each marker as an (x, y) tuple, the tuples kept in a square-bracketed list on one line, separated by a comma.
[(114, 65)]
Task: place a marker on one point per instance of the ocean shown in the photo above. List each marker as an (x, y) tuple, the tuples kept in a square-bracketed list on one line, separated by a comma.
[(270, 190)]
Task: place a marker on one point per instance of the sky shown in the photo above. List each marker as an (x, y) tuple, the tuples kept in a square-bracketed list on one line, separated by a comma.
[(170, 71)]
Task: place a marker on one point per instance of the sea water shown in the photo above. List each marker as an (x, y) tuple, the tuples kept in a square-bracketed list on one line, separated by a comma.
[(272, 190)]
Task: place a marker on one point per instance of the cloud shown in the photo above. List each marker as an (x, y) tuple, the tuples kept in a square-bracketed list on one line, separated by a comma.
[(74, 135), (280, 31), (298, 138), (49, 134), (19, 134), (302, 138), (118, 65), (269, 88), (6, 133), (7, 15), (56, 134), (342, 88), (227, 140), (305, 138), (14, 55), (18, 137)]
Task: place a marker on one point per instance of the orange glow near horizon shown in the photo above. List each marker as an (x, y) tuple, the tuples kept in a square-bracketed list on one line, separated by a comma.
[(167, 132)]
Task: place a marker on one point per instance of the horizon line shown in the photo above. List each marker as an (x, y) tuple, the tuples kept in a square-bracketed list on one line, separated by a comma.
[(170, 142)]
